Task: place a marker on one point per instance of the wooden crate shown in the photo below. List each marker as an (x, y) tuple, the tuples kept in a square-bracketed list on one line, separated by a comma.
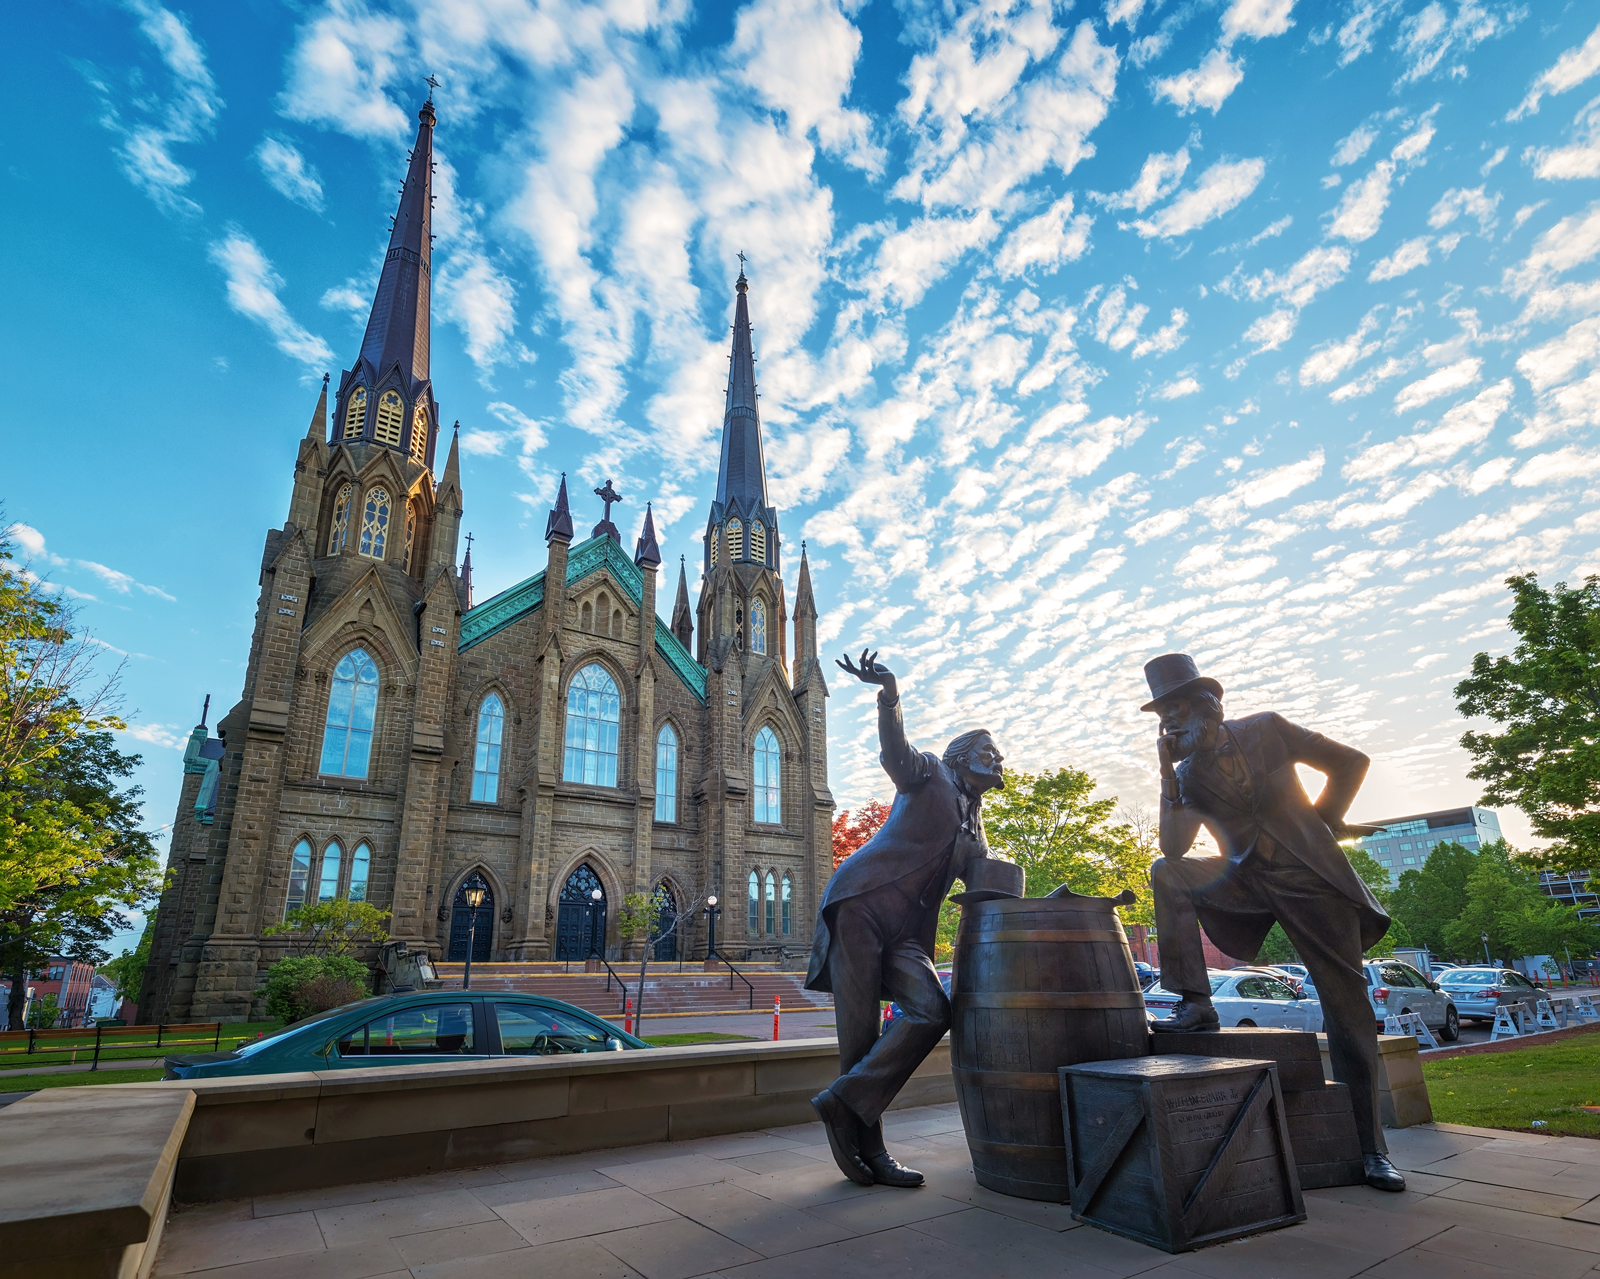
[(1179, 1151)]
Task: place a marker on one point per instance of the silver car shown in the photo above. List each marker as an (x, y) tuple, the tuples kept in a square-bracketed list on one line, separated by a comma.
[(1477, 992), (1248, 999), (1396, 988)]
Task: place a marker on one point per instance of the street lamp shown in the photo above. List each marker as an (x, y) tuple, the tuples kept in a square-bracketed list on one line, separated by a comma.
[(1487, 958), (711, 923), (596, 895), (474, 892)]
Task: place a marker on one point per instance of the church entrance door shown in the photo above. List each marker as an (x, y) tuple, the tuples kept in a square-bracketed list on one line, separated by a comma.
[(666, 942), (461, 927), (581, 922)]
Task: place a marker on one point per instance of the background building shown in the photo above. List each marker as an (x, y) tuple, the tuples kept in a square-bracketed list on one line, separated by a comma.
[(1405, 842)]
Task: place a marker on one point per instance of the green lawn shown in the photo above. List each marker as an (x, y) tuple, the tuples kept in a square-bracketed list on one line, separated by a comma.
[(1549, 1082), (696, 1037), (77, 1079)]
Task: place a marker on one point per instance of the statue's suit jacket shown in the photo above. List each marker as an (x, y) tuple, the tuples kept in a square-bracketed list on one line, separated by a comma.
[(930, 817), (1278, 806)]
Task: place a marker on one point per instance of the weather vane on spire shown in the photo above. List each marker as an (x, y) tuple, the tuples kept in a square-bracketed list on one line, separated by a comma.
[(469, 543), (741, 262), (433, 83)]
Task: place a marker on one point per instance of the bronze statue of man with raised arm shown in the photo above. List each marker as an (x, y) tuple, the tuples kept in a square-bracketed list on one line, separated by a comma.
[(1280, 861), (876, 923)]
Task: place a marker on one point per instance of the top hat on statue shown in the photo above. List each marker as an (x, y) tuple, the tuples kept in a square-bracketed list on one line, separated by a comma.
[(987, 878), (1174, 673)]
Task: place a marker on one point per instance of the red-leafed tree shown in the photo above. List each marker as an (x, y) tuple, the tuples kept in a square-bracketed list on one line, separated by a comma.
[(850, 835)]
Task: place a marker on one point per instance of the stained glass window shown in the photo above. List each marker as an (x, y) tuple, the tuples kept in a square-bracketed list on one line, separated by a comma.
[(328, 888), (391, 417), (758, 625), (352, 705), (767, 777), (299, 873), (772, 902), (341, 519), (788, 891), (355, 413), (486, 760), (593, 712), (375, 524), (758, 541), (755, 902), (360, 864), (419, 435), (666, 774)]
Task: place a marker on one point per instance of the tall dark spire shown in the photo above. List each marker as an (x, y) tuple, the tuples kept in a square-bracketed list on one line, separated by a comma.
[(398, 328), (466, 571), (682, 615), (647, 552), (559, 522), (741, 475)]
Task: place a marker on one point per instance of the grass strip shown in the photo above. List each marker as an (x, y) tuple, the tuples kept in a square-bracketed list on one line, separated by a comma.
[(79, 1079), (696, 1037), (1543, 1084)]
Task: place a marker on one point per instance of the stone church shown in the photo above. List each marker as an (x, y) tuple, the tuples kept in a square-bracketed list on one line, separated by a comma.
[(559, 742)]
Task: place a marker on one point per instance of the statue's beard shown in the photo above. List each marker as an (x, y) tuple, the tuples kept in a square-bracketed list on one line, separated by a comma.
[(1191, 736)]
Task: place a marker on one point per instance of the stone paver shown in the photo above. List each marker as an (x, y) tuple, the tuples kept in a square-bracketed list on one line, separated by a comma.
[(771, 1205)]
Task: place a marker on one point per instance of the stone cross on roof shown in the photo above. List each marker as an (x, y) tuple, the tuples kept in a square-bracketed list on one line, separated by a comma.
[(608, 495)]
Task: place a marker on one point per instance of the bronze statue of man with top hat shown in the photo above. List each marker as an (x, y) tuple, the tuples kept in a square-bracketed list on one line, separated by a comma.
[(1280, 861)]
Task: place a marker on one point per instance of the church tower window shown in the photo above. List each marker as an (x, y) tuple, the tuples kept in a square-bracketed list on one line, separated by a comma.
[(593, 713), (360, 865), (328, 889), (375, 524), (411, 533), (758, 625), (755, 902), (352, 707), (419, 435), (788, 892), (772, 903), (355, 413), (341, 520), (767, 776), (716, 545), (666, 774), (486, 759), (735, 540), (299, 873), (391, 416), (758, 541)]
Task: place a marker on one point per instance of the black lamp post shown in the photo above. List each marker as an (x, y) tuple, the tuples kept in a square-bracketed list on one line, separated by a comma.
[(595, 895), (1487, 958), (711, 923), (474, 892)]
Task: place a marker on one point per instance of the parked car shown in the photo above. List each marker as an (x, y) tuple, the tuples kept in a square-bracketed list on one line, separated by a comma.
[(893, 1010), (1298, 971), (1394, 987), (1477, 992), (410, 1029), (1249, 998), (1147, 975)]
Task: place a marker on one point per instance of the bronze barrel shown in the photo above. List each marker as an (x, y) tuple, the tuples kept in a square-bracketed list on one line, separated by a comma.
[(1039, 983)]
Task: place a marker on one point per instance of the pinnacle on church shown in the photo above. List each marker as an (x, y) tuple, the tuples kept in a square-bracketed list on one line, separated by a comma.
[(398, 329), (647, 553), (318, 430), (466, 571), (805, 605), (682, 616), (559, 523), (741, 473)]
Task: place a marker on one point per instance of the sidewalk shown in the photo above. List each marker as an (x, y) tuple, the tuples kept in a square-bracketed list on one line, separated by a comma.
[(771, 1205)]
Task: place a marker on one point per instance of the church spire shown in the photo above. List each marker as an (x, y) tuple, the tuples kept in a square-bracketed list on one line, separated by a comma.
[(466, 572), (398, 329), (558, 524), (682, 617), (647, 551), (741, 474), (318, 430)]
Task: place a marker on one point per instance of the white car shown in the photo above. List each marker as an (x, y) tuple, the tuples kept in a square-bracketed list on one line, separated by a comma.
[(1248, 999), (1393, 987)]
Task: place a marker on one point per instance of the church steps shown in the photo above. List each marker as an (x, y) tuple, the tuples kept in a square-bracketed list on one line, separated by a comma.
[(664, 992)]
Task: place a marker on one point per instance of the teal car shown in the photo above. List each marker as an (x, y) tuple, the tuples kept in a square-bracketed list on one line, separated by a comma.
[(411, 1029)]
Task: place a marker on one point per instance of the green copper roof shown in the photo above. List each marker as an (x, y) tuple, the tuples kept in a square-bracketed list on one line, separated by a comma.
[(494, 615)]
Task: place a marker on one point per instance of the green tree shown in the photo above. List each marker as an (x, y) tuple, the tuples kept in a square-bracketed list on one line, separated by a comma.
[(1499, 894), (126, 971), (336, 927), (1426, 901), (1546, 695), (43, 1014)]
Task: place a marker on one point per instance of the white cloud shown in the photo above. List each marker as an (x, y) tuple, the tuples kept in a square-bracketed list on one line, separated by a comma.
[(1462, 427), (171, 736), (910, 261), (1408, 257), (1581, 159), (1411, 147), (1427, 36), (1169, 337), (1361, 210), (288, 173), (123, 583), (1445, 381), (253, 292), (1457, 201), (1570, 242), (1216, 564), (342, 62), (1158, 178), (1177, 389), (1224, 186), (1320, 269), (1272, 330), (1158, 525), (1044, 242), (353, 297), (1563, 466), (1207, 85), (1557, 360), (1393, 505), (1568, 71), (1360, 30), (1116, 323), (1260, 488), (1256, 19), (1331, 359), (1354, 145), (481, 301), (30, 539), (1124, 11)]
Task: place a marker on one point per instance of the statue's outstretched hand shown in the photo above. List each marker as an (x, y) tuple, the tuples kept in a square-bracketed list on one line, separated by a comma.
[(869, 671)]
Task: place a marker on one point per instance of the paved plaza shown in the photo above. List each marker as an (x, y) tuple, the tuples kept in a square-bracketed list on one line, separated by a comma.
[(771, 1205)]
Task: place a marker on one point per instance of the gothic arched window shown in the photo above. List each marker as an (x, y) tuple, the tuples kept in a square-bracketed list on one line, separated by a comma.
[(341, 519), (666, 774), (352, 706), (593, 712), (360, 865), (755, 902), (767, 776), (486, 759), (787, 893), (328, 885), (299, 873), (411, 533), (772, 903), (716, 545), (758, 625), (391, 418), (355, 413), (758, 541), (419, 435), (375, 524), (735, 540)]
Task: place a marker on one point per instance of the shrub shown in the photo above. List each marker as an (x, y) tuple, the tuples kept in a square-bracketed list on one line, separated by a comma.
[(304, 984)]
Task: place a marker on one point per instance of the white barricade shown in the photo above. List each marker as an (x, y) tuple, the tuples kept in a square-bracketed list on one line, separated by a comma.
[(1582, 1007), (1503, 1025), (1409, 1024), (1544, 1017)]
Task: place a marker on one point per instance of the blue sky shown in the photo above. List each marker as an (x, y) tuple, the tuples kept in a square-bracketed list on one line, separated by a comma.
[(1262, 330)]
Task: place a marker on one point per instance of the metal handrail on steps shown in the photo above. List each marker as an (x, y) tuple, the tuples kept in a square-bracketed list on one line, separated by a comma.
[(623, 1006), (734, 972)]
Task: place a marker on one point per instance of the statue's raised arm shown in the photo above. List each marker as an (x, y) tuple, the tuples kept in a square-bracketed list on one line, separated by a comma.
[(906, 766)]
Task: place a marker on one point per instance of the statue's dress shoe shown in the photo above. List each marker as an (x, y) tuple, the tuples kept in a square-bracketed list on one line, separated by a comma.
[(888, 1171), (1381, 1174), (1189, 1016), (839, 1122)]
